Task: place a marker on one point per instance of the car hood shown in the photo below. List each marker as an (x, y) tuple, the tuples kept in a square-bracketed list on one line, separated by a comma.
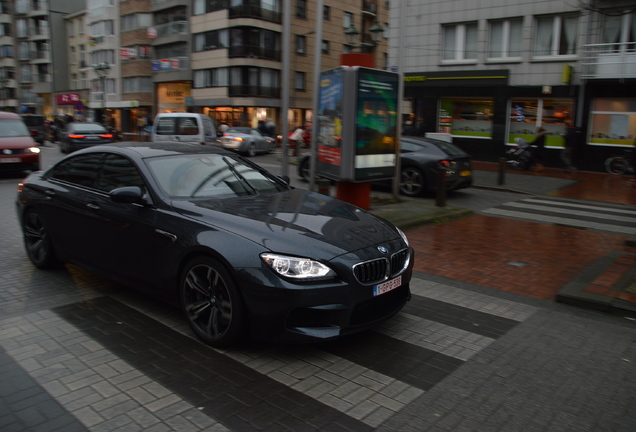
[(295, 222)]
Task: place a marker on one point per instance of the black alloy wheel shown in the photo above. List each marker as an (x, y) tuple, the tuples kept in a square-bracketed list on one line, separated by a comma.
[(211, 302), (251, 150), (412, 182), (38, 242)]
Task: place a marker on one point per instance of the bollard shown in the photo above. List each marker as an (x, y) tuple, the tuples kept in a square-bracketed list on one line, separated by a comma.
[(323, 186), (440, 196), (501, 179)]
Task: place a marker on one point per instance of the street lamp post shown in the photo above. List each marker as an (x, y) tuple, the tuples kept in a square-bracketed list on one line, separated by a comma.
[(3, 86), (102, 70)]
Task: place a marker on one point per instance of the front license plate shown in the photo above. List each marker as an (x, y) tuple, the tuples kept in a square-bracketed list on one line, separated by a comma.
[(465, 173), (10, 160), (387, 286)]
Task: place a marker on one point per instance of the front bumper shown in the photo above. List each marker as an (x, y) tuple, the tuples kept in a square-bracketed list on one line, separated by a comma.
[(319, 311)]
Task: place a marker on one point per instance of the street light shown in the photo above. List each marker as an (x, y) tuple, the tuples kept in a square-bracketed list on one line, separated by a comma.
[(102, 70), (352, 34)]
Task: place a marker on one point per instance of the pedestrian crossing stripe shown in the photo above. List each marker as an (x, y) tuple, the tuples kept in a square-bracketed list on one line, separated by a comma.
[(600, 217), (358, 382)]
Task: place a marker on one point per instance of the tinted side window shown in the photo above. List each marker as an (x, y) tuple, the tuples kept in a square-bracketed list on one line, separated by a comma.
[(80, 170), (118, 171)]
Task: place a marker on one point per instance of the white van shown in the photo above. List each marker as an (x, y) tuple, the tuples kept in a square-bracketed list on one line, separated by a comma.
[(185, 127)]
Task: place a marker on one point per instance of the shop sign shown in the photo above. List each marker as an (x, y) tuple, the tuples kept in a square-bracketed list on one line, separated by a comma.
[(68, 99)]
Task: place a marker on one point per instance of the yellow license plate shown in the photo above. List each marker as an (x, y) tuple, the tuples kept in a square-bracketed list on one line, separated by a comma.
[(465, 173)]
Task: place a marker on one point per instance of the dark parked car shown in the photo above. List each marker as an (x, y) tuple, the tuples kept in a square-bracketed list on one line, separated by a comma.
[(18, 151), (78, 135), (421, 161), (35, 123), (234, 245), (248, 141)]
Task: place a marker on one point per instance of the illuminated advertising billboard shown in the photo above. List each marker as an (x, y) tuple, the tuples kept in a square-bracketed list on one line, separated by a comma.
[(356, 124)]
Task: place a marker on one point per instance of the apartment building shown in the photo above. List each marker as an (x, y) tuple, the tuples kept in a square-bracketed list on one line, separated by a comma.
[(220, 58), (489, 71)]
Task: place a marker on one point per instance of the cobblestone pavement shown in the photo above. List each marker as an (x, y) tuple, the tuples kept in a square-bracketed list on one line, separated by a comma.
[(79, 352)]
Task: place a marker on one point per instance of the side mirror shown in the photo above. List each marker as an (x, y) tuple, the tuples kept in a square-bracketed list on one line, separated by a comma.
[(128, 195)]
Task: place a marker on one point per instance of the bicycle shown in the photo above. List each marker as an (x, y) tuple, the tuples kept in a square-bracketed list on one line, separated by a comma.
[(618, 165)]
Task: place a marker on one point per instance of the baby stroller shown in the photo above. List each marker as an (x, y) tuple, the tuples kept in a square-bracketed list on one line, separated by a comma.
[(520, 156)]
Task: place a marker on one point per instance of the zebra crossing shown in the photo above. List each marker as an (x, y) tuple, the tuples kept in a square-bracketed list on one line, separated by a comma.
[(597, 216), (119, 351)]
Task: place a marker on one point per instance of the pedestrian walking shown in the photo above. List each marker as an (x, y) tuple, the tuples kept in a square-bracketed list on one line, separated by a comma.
[(573, 136), (538, 152), (271, 128)]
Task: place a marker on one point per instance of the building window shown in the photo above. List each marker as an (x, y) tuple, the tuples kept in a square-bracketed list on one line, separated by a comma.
[(134, 22), (468, 117), (299, 81), (211, 40), (326, 13), (556, 36), (137, 85), (505, 39), (201, 7), (301, 8), (526, 115), (619, 32), (325, 46), (613, 122), (460, 42), (347, 20), (301, 44)]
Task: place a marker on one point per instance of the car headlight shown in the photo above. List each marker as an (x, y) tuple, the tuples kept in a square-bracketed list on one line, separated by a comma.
[(34, 150), (296, 267), (403, 236)]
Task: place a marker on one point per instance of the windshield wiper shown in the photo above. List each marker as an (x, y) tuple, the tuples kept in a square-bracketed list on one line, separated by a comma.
[(239, 177)]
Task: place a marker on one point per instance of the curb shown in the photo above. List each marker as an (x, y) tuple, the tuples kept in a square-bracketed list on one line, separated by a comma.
[(573, 293)]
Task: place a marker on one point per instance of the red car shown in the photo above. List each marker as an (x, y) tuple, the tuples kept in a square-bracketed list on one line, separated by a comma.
[(18, 150)]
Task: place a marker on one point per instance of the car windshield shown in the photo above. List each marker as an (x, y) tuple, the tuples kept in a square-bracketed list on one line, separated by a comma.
[(13, 128), (187, 176)]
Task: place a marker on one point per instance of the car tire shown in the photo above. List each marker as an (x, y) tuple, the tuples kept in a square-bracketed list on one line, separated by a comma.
[(63, 148), (37, 242), (251, 150), (303, 169), (211, 302), (412, 182)]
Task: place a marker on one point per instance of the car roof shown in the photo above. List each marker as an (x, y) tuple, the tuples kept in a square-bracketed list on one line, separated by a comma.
[(149, 149), (9, 115)]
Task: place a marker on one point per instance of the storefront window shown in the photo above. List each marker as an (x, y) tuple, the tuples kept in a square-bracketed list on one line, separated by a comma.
[(466, 117), (613, 122), (526, 115)]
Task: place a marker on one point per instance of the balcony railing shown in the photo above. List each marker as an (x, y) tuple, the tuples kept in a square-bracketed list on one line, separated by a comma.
[(245, 11), (247, 90), (171, 64), (609, 61), (173, 28), (253, 51)]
